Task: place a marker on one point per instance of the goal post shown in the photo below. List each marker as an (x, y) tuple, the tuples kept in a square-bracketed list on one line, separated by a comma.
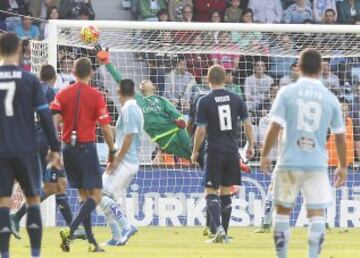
[(258, 58)]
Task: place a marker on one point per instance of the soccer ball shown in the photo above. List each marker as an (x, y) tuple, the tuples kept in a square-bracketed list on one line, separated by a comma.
[(89, 34)]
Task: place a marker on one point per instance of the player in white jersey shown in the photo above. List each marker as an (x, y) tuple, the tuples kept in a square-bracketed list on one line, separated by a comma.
[(124, 165), (305, 110)]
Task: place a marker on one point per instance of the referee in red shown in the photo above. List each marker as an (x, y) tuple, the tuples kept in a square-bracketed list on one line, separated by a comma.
[(80, 107)]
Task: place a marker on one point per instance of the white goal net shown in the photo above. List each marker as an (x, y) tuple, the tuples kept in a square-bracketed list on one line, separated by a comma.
[(259, 59)]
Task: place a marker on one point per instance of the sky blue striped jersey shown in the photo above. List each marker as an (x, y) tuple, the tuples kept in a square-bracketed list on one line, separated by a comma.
[(306, 110)]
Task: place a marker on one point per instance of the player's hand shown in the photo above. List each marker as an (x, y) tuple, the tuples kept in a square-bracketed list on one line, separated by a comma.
[(180, 123), (244, 168), (194, 157), (111, 156), (265, 164), (102, 55), (340, 176), (54, 160), (249, 152)]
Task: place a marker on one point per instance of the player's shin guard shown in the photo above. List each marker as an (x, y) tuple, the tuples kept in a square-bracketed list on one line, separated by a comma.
[(64, 207), (5, 231), (268, 209), (213, 205), (226, 209), (84, 212), (112, 210), (88, 230), (316, 236), (281, 235), (34, 229)]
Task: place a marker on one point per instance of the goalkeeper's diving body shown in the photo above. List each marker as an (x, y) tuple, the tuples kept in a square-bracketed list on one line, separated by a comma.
[(163, 122)]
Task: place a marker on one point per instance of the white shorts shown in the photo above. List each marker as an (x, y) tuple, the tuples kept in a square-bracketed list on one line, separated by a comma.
[(315, 187), (115, 184)]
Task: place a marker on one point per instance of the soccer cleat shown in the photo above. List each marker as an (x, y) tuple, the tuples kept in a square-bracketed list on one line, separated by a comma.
[(111, 242), (65, 240), (127, 233), (327, 226), (206, 232), (80, 234), (263, 229), (95, 249), (219, 238), (15, 226)]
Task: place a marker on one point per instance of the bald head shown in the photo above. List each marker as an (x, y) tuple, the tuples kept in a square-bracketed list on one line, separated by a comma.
[(147, 87)]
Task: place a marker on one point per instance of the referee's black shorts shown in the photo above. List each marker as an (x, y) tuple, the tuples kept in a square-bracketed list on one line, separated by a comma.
[(221, 169), (82, 166)]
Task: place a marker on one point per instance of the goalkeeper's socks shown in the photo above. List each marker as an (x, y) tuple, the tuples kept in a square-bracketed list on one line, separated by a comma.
[(85, 211), (5, 231), (34, 229), (226, 210), (316, 236), (63, 203), (213, 205), (281, 235), (88, 230), (268, 209)]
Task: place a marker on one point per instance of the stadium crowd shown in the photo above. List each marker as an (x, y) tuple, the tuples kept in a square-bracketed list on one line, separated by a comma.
[(179, 77)]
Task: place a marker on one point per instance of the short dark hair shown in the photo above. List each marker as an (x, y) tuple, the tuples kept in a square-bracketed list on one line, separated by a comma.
[(310, 61), (162, 11), (246, 11), (216, 75), (9, 44), (84, 11), (127, 88), (49, 11), (83, 67), (27, 14), (47, 73), (330, 10)]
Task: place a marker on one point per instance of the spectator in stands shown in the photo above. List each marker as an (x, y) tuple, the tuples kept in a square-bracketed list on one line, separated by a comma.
[(233, 12), (292, 77), (179, 84), (65, 75), (39, 7), (163, 15), (348, 10), (228, 61), (257, 86), (12, 6), (25, 61), (330, 80), (69, 9), (52, 13), (27, 29), (230, 85), (187, 13), (196, 63), (84, 13), (247, 16), (320, 7), (176, 9), (156, 74), (357, 20), (266, 11), (329, 17), (204, 8), (298, 12), (149, 8)]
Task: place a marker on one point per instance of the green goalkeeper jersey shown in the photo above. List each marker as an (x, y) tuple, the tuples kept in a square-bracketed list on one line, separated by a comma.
[(159, 113)]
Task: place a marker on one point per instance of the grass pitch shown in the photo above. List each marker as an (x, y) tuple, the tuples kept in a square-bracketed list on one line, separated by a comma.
[(187, 242)]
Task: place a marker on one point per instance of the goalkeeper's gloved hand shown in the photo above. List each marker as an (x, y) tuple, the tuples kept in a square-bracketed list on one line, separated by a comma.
[(180, 123), (244, 168), (102, 55)]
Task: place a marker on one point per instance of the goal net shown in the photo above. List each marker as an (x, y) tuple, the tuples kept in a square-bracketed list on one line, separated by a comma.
[(259, 59)]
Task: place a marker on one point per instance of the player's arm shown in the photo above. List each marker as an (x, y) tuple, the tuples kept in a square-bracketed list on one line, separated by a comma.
[(200, 132), (104, 58), (270, 138), (173, 114), (244, 116)]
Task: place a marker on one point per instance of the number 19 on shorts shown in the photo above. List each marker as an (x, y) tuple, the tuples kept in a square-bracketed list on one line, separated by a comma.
[(225, 117)]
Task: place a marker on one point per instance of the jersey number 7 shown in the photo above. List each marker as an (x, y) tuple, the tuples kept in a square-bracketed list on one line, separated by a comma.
[(9, 87)]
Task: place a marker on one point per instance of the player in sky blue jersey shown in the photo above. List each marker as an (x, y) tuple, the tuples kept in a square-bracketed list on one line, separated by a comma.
[(21, 95), (305, 110)]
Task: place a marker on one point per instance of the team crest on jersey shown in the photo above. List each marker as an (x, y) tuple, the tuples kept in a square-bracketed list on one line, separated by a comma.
[(306, 144)]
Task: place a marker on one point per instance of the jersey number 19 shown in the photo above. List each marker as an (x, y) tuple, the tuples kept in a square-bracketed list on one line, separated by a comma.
[(309, 115), (225, 117)]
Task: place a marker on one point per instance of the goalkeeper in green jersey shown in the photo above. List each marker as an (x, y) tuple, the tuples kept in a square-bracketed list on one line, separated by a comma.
[(163, 122)]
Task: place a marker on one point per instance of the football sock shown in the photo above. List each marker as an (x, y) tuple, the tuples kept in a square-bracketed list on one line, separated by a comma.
[(64, 207), (316, 236), (21, 212), (268, 209), (213, 205), (88, 230), (85, 211), (281, 234), (5, 231), (34, 229), (226, 209), (113, 210), (115, 228)]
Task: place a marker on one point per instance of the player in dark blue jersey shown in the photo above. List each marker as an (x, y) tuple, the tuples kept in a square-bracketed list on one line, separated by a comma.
[(217, 115), (20, 96), (54, 180)]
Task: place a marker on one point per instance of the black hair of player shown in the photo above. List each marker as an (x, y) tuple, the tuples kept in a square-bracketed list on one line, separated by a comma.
[(9, 44), (83, 67), (127, 88), (47, 73), (310, 62)]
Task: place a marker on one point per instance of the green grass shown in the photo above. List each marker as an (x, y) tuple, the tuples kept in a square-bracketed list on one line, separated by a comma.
[(188, 242)]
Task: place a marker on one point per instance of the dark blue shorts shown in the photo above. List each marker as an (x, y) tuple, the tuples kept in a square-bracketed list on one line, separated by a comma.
[(25, 169), (82, 166), (221, 170)]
